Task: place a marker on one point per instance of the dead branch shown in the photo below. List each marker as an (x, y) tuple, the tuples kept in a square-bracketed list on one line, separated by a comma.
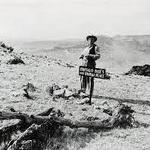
[(6, 132), (42, 125), (34, 137), (62, 121)]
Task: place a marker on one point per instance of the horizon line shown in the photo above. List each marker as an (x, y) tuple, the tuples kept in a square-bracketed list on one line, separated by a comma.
[(66, 39)]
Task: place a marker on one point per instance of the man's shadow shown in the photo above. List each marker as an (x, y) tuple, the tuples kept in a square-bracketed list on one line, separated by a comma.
[(132, 101)]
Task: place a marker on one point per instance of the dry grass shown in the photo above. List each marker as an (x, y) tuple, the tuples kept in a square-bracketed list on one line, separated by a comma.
[(42, 71), (71, 139)]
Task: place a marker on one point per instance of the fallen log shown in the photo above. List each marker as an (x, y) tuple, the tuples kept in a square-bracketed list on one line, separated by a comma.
[(41, 126), (62, 121), (31, 119)]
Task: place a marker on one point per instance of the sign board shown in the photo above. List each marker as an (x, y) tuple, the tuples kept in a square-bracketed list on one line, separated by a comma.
[(96, 72)]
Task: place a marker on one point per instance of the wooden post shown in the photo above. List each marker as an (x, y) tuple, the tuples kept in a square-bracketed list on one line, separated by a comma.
[(91, 90)]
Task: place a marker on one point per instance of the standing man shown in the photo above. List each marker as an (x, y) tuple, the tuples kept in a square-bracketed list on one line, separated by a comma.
[(89, 57)]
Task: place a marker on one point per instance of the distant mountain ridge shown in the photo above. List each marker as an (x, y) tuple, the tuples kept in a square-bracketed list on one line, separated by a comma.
[(132, 42), (117, 51), (126, 42)]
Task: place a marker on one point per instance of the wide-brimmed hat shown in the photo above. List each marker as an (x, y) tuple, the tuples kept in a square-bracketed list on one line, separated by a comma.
[(91, 36)]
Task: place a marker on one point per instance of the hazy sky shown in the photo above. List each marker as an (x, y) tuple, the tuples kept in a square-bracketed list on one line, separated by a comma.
[(58, 19)]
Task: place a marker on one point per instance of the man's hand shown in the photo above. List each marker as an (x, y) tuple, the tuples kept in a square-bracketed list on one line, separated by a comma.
[(89, 57), (93, 56)]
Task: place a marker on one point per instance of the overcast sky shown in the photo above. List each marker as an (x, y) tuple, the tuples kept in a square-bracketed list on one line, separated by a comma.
[(63, 19)]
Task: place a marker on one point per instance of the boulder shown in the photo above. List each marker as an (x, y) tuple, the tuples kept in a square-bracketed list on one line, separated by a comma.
[(15, 60), (83, 101), (29, 88), (68, 93), (52, 88), (139, 70), (59, 93), (6, 48)]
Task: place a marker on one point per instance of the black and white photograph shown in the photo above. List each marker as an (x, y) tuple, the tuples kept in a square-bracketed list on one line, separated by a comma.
[(74, 75)]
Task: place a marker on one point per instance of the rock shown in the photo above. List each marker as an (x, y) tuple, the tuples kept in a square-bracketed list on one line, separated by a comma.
[(75, 93), (15, 60), (139, 70), (9, 109), (11, 49), (69, 65), (57, 113), (83, 95), (17, 93), (65, 92), (71, 98), (108, 111), (97, 107), (107, 76), (55, 87), (59, 93), (52, 88), (64, 87), (68, 93), (3, 45), (84, 109), (84, 101), (105, 103), (28, 89)]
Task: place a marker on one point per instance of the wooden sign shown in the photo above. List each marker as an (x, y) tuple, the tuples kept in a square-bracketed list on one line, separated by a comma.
[(95, 73)]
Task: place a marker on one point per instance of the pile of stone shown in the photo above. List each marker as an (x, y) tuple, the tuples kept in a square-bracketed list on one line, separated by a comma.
[(8, 56), (6, 48), (64, 92), (140, 70)]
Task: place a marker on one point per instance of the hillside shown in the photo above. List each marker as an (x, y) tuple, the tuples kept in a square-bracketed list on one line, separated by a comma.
[(44, 67), (138, 42), (116, 52)]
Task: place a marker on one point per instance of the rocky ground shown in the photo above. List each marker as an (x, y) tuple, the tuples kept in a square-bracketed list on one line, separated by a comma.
[(44, 70)]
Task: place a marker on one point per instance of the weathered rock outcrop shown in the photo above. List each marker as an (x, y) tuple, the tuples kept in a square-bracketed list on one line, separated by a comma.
[(15, 60), (140, 70)]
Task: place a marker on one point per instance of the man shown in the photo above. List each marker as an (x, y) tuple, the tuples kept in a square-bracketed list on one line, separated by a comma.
[(89, 57)]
